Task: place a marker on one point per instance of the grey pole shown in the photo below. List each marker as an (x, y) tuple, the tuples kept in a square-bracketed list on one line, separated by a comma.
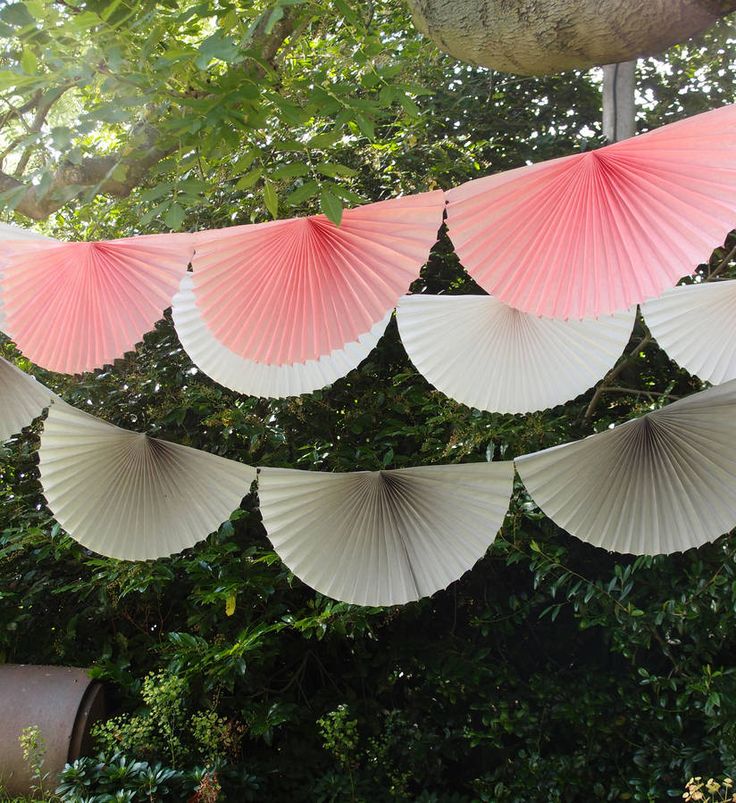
[(618, 101)]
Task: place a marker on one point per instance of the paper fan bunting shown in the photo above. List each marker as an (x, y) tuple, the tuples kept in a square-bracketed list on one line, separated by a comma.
[(599, 231), (72, 307), (661, 483), (21, 399), (262, 379), (696, 325), (384, 537), (126, 495), (11, 239), (481, 352), (291, 291)]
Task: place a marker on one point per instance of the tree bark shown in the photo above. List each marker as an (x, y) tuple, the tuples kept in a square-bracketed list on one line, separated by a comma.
[(537, 37)]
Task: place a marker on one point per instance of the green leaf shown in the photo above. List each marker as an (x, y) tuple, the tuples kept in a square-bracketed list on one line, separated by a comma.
[(61, 137), (230, 605), (366, 126), (308, 190), (331, 206), (218, 46), (271, 198), (276, 15), (16, 14), (14, 80), (29, 62), (249, 179), (293, 170), (334, 170), (174, 217)]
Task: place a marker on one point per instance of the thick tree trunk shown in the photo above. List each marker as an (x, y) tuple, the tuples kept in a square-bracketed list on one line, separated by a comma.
[(536, 37)]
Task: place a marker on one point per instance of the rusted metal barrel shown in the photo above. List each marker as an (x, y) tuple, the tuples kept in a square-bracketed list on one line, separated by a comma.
[(62, 702)]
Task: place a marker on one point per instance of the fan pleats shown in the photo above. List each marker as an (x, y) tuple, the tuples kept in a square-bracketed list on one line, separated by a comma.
[(385, 537), (262, 379), (292, 291), (72, 307), (126, 495), (481, 352), (658, 484), (597, 232)]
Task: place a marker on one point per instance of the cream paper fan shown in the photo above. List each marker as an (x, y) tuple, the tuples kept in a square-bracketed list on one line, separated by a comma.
[(661, 483), (696, 325), (261, 379), (21, 399), (384, 537), (481, 352), (126, 495)]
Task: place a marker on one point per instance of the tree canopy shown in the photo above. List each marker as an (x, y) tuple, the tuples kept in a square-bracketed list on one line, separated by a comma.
[(551, 671)]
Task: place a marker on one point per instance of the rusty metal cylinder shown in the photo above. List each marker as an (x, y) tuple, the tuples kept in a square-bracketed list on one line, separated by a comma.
[(62, 702)]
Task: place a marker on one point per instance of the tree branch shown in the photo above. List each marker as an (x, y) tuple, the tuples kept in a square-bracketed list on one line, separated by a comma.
[(118, 174)]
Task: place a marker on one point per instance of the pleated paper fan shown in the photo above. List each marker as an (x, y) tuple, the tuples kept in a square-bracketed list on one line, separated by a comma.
[(658, 484), (384, 537), (13, 238), (597, 232), (72, 307), (696, 325), (291, 291), (262, 379), (126, 495), (21, 399), (485, 354)]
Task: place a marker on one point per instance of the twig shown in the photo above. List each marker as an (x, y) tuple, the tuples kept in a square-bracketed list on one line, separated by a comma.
[(613, 373)]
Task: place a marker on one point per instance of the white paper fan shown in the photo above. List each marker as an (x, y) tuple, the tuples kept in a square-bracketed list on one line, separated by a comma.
[(661, 483), (261, 379), (126, 495), (21, 399), (384, 537), (696, 325), (481, 352)]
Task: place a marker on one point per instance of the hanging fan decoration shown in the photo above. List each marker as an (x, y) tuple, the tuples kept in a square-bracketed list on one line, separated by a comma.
[(658, 484), (72, 307), (292, 291), (11, 239), (696, 325), (22, 399), (384, 537), (262, 379), (126, 495), (485, 354), (596, 232)]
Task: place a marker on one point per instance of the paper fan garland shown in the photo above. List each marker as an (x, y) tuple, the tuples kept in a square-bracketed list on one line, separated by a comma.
[(262, 379), (696, 325), (658, 484), (596, 232), (22, 399), (485, 354), (384, 537), (72, 307), (291, 291), (11, 238), (126, 495)]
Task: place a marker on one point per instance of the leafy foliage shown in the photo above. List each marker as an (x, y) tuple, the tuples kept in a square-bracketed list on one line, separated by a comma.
[(552, 671)]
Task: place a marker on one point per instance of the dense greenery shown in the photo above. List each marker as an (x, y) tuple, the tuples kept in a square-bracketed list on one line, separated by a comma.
[(552, 671)]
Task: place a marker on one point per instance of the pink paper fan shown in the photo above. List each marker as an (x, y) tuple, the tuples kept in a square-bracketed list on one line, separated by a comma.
[(289, 291), (596, 232), (72, 307)]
